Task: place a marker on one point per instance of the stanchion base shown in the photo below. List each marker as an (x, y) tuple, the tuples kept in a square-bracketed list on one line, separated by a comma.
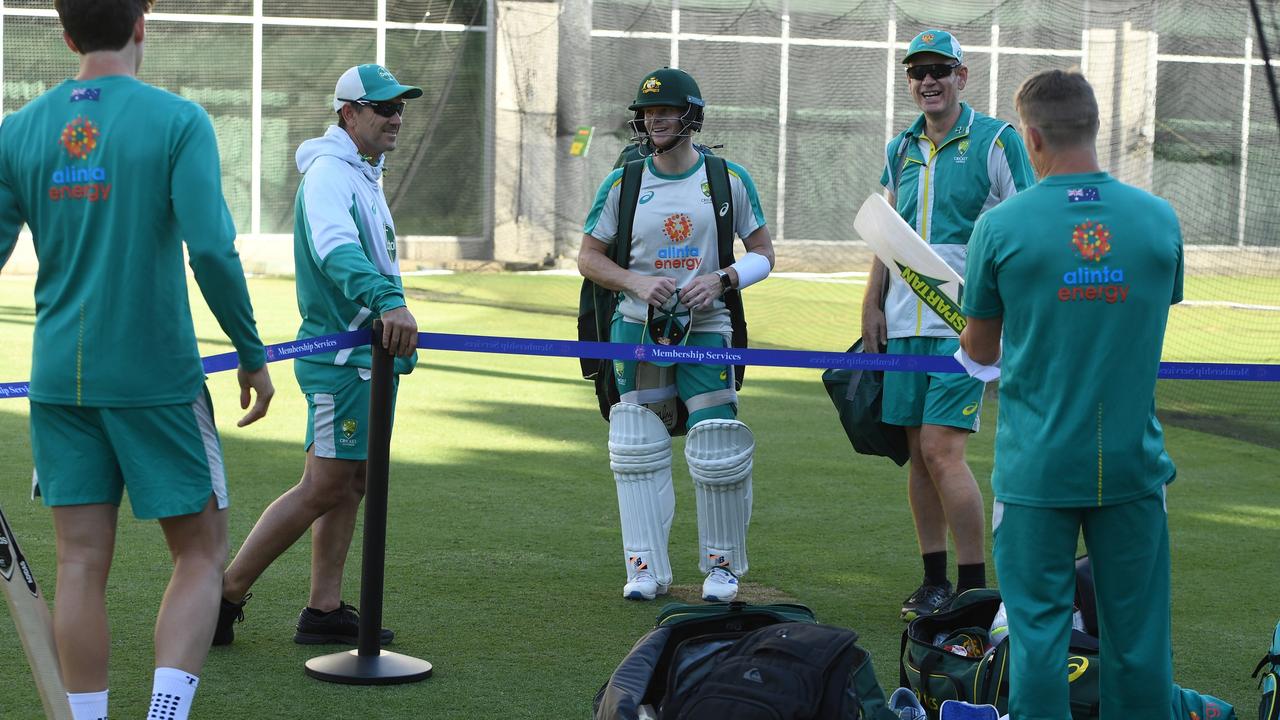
[(351, 668)]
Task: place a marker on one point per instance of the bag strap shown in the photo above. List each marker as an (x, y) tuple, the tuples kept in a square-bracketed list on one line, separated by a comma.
[(900, 160), (628, 198), (722, 205)]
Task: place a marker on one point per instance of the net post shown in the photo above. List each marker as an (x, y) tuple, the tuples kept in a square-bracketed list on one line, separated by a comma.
[(369, 664)]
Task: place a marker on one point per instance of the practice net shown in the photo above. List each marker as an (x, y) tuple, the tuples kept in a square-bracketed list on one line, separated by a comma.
[(804, 93)]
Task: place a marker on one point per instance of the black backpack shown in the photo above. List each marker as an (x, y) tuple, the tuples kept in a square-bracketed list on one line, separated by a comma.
[(789, 671), (680, 664), (596, 304)]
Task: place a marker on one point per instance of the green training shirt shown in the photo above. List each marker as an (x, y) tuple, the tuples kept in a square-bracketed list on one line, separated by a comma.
[(112, 175), (940, 190), (1083, 269)]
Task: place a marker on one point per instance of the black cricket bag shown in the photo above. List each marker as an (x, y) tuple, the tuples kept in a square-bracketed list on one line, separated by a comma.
[(857, 395), (687, 647), (932, 666), (1269, 668)]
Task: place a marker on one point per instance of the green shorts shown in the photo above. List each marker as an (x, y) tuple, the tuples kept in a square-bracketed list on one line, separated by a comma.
[(338, 417), (915, 399), (168, 456), (706, 390)]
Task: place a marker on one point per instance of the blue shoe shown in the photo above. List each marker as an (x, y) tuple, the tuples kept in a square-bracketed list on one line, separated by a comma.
[(957, 710), (906, 706)]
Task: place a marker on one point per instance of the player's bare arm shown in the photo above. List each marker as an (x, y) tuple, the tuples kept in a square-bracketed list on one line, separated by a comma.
[(875, 330), (595, 265), (706, 289), (981, 339)]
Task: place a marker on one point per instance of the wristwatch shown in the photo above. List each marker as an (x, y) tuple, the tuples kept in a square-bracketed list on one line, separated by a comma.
[(726, 282)]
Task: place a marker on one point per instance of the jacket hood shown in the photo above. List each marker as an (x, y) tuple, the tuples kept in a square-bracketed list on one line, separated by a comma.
[(337, 143)]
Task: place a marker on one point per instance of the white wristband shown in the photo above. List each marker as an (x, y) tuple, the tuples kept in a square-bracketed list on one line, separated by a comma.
[(976, 370), (752, 268)]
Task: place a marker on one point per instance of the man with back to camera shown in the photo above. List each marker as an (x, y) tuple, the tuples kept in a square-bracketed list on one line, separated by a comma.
[(1079, 272), (952, 164), (347, 276), (674, 271), (112, 175)]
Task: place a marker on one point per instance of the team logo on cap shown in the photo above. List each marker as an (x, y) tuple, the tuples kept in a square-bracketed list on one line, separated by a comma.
[(652, 85), (927, 38), (79, 137), (385, 74), (1092, 240)]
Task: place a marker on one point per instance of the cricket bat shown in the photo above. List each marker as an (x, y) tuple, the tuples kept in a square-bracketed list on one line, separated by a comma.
[(35, 626), (903, 251)]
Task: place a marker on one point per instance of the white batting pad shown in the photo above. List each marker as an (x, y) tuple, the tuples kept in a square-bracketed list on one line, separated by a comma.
[(719, 453), (640, 456)]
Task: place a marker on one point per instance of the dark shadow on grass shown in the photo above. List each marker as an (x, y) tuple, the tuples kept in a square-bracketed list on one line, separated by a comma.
[(457, 298)]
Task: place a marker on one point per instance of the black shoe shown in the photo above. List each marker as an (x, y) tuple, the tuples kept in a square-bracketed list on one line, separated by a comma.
[(228, 615), (337, 626), (926, 600)]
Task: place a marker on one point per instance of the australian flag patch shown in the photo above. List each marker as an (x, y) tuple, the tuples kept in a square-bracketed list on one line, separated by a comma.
[(93, 94), (1083, 194)]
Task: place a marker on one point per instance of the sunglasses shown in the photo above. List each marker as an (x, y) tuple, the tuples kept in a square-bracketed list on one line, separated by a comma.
[(385, 109), (937, 70)]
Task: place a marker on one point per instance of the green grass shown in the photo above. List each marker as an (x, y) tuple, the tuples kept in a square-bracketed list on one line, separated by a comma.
[(503, 554)]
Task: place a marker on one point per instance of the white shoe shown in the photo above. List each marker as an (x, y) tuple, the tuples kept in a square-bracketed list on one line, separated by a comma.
[(905, 705), (721, 585), (644, 587)]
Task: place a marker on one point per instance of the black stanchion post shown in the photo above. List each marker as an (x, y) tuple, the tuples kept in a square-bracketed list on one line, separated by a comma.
[(369, 664)]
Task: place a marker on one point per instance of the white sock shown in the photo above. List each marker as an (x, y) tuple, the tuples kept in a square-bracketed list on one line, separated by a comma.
[(88, 706), (171, 694)]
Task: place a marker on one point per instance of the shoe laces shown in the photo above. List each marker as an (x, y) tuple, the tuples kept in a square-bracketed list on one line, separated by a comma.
[(722, 574), (240, 606), (930, 594)]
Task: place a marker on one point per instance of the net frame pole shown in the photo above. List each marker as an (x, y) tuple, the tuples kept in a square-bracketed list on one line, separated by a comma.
[(369, 664), (784, 89), (255, 126), (1245, 109), (1266, 58)]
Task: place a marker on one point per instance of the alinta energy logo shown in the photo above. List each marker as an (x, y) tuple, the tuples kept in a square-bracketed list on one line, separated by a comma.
[(678, 228), (1092, 280), (75, 182)]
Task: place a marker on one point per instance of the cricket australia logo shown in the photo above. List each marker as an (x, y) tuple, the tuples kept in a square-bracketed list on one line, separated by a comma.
[(652, 85), (349, 427), (706, 189)]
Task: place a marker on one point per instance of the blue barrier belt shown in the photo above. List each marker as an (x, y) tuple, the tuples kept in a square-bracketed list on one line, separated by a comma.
[(811, 359)]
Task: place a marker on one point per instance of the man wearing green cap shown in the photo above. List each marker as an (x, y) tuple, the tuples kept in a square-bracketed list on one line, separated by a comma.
[(674, 272), (941, 173), (347, 276)]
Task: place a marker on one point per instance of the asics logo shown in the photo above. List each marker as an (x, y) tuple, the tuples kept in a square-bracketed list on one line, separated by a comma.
[(753, 675), (646, 197), (724, 209)]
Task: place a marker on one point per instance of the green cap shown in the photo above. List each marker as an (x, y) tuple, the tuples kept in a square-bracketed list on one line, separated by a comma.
[(935, 41), (370, 82), (668, 87)]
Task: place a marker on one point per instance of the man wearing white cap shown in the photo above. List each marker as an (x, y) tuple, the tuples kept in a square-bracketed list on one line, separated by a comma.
[(347, 276), (949, 166)]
